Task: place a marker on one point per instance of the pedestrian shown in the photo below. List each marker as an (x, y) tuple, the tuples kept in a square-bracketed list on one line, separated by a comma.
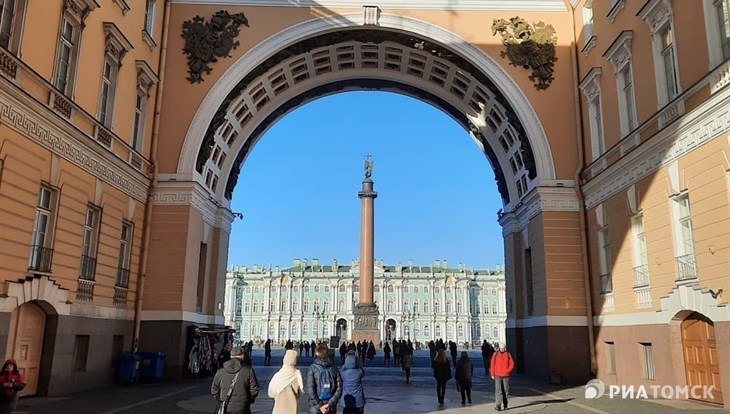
[(487, 352), (343, 351), (463, 376), (289, 345), (442, 373), (286, 386), (371, 351), (324, 383), (406, 364), (301, 347), (236, 383), (453, 348), (267, 353), (386, 354), (312, 347), (501, 367), (306, 348), (353, 394), (225, 355), (12, 382), (396, 353)]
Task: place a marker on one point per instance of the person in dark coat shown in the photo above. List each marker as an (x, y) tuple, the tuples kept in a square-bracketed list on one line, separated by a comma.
[(453, 348), (371, 351), (12, 382), (289, 345), (246, 388), (406, 363), (442, 373), (432, 352), (463, 376), (487, 352), (301, 347), (343, 351), (322, 361), (386, 354), (306, 347), (224, 356), (353, 395), (267, 353)]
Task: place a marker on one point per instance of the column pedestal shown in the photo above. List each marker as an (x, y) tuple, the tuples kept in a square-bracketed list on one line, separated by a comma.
[(366, 323)]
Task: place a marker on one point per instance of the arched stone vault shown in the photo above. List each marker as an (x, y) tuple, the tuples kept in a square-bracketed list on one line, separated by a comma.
[(318, 57)]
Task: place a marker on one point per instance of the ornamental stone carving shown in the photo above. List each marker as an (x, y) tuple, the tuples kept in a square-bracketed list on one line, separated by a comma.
[(205, 42), (529, 46)]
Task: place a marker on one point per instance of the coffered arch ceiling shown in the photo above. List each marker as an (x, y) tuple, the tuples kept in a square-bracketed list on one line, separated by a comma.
[(373, 58)]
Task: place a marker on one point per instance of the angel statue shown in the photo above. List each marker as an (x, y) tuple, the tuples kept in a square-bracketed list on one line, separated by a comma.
[(368, 166), (532, 47)]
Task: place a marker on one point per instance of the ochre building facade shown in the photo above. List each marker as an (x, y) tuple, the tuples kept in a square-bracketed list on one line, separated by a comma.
[(119, 154)]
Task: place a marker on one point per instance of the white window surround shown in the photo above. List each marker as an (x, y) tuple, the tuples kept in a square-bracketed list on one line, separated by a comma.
[(714, 36), (588, 16), (13, 28), (619, 54), (658, 15), (616, 7), (591, 88), (116, 47)]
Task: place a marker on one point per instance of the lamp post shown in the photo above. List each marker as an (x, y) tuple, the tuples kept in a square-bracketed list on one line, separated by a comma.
[(317, 316), (411, 316)]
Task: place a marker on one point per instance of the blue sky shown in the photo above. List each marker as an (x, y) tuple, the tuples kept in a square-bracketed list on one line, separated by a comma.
[(437, 198)]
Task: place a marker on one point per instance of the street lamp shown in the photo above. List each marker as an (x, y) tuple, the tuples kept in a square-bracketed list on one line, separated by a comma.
[(411, 316), (317, 316)]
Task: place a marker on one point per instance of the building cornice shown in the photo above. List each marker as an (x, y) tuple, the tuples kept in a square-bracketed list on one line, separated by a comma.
[(710, 120), (561, 199), (40, 124), (191, 193), (619, 53), (499, 5)]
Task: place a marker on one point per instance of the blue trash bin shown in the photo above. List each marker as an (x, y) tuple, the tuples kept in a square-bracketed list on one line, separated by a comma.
[(151, 366), (128, 368)]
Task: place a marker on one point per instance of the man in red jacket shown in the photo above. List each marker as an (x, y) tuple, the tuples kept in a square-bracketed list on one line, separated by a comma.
[(501, 366)]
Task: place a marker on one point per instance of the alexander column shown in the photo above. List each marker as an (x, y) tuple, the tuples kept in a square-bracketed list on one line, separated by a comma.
[(366, 312)]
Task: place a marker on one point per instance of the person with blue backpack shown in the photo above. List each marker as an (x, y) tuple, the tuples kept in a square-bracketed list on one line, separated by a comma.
[(353, 395), (324, 383)]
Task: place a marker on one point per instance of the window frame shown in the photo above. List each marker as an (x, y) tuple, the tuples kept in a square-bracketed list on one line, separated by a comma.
[(89, 248), (73, 44), (49, 210), (125, 254), (16, 25)]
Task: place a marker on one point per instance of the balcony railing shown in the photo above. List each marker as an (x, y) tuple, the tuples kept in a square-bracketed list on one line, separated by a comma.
[(88, 268), (641, 275), (120, 296), (686, 267), (40, 258), (606, 283), (122, 277), (85, 291)]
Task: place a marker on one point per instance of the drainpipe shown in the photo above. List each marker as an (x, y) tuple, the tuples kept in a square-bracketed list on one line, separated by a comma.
[(581, 205), (153, 184)]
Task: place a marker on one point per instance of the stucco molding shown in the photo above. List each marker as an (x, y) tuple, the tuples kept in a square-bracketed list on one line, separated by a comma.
[(561, 199), (591, 84), (38, 123), (680, 300), (656, 13), (616, 7), (163, 315), (186, 193), (310, 28), (709, 121), (503, 5), (619, 53), (40, 288), (540, 321)]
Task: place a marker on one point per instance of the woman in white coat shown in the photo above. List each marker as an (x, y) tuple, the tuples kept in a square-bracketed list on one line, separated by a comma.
[(286, 386)]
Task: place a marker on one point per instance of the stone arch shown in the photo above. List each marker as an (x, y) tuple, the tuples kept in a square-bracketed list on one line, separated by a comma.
[(469, 98), (41, 290)]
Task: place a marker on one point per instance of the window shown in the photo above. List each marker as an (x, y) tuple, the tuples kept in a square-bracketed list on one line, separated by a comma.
[(125, 251), (284, 290), (588, 20), (306, 289), (272, 307), (460, 331), (282, 307), (256, 290), (356, 289), (149, 17), (722, 9), (687, 268), (326, 289), (326, 330), (448, 307), (294, 306), (341, 306), (459, 307), (11, 23), (648, 355), (611, 355), (41, 252), (342, 289), (81, 352), (641, 258), (405, 289), (272, 330), (425, 289), (306, 306), (305, 329), (415, 289), (89, 243), (255, 306), (437, 307), (108, 89), (591, 88), (668, 62), (67, 55), (425, 307), (628, 106), (376, 289), (294, 330), (438, 331), (282, 331), (247, 307), (495, 305), (448, 291), (437, 290), (325, 307), (295, 289), (495, 332), (391, 289), (494, 292), (427, 331), (604, 260), (390, 306), (316, 288)]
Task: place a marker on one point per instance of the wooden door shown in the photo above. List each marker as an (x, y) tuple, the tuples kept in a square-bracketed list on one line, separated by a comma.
[(28, 344), (700, 355)]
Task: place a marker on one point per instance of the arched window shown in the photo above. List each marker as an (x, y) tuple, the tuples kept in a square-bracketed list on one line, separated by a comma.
[(405, 305), (272, 307), (284, 290), (459, 307), (295, 289), (326, 289), (427, 331), (405, 289), (326, 306), (438, 331), (494, 292), (245, 329), (415, 305), (272, 330), (255, 306), (391, 289), (306, 288), (247, 307), (495, 332), (356, 288), (306, 306), (326, 330), (448, 306), (305, 329), (256, 290), (282, 331), (390, 306), (341, 306), (415, 289), (316, 288), (425, 307), (248, 290), (448, 290), (486, 308), (488, 330), (342, 289), (425, 289), (283, 306), (376, 289), (437, 307), (316, 307), (494, 308), (477, 331), (294, 306), (460, 331), (294, 330)]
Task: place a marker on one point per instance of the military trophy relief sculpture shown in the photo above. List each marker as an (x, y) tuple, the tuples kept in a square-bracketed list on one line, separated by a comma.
[(529, 46)]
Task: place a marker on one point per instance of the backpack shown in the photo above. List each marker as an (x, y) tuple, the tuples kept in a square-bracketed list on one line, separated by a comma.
[(326, 383)]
